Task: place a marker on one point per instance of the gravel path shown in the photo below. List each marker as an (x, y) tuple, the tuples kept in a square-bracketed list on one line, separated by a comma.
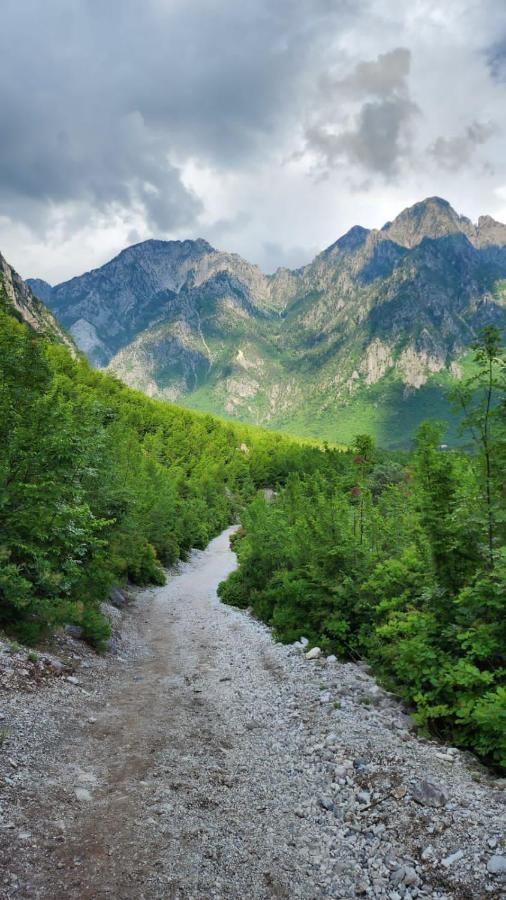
[(206, 761)]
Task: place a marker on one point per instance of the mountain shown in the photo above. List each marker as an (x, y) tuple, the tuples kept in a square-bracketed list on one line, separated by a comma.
[(21, 302), (148, 283), (368, 336)]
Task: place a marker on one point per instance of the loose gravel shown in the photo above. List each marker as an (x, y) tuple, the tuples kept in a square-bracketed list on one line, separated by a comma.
[(203, 760)]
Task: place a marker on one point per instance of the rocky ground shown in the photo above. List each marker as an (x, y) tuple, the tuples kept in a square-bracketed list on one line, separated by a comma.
[(202, 760)]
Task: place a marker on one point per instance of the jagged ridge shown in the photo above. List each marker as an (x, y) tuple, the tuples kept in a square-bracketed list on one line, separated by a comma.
[(378, 315)]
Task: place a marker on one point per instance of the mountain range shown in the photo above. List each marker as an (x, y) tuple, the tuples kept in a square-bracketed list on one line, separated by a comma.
[(367, 337)]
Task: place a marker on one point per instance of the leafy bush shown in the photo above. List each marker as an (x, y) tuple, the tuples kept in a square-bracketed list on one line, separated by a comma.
[(402, 564), (96, 628), (99, 484)]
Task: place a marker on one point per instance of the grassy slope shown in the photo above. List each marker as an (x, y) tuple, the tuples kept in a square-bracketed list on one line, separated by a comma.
[(382, 411)]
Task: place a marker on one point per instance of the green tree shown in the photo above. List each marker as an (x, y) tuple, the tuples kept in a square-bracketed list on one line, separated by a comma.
[(482, 397)]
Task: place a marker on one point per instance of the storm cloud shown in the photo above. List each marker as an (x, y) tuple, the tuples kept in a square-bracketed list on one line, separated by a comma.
[(456, 152), (123, 121), (101, 102), (374, 98)]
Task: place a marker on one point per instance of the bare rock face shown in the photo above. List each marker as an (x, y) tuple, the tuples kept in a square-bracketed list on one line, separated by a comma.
[(382, 310), (21, 302)]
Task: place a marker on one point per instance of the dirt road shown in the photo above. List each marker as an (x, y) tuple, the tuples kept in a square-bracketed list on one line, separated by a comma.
[(208, 762)]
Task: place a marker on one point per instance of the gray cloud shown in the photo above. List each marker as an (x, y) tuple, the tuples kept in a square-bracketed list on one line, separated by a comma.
[(496, 59), (456, 152), (122, 120), (274, 255), (102, 102), (382, 77), (376, 97)]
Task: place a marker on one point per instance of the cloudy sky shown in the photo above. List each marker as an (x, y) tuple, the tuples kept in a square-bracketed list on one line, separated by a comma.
[(268, 127)]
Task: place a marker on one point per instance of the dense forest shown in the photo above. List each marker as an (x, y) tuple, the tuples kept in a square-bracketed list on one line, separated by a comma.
[(400, 560), (100, 485), (396, 558)]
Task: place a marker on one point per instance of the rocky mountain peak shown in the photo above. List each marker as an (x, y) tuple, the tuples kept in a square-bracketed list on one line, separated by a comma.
[(42, 289), (349, 242), (384, 310), (430, 218), (152, 246), (490, 232)]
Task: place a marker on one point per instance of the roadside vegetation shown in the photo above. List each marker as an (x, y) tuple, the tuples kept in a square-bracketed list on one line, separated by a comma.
[(400, 560), (100, 485), (396, 558)]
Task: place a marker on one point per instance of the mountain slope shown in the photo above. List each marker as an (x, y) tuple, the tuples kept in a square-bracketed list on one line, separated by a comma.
[(22, 303), (106, 308), (368, 335)]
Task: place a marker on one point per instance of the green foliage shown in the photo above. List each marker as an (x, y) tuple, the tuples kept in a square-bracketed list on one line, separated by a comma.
[(389, 559), (98, 484), (96, 628), (400, 559)]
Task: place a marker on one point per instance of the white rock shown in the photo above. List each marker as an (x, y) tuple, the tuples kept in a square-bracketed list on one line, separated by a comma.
[(447, 757), (410, 876), (83, 794), (497, 864), (303, 642), (331, 658), (452, 858), (315, 653)]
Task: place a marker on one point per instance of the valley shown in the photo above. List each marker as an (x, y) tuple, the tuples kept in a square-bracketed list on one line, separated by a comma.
[(367, 337), (252, 450)]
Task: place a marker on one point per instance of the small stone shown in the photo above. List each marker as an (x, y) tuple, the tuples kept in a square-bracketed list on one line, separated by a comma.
[(304, 641), (398, 875), (497, 864), (447, 757), (428, 794), (56, 666), (331, 658), (492, 843), (364, 797), (315, 653), (74, 631), (452, 858), (428, 852), (331, 738), (72, 679), (326, 803), (92, 720), (342, 770), (359, 763), (399, 792), (410, 876), (83, 794), (118, 597)]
